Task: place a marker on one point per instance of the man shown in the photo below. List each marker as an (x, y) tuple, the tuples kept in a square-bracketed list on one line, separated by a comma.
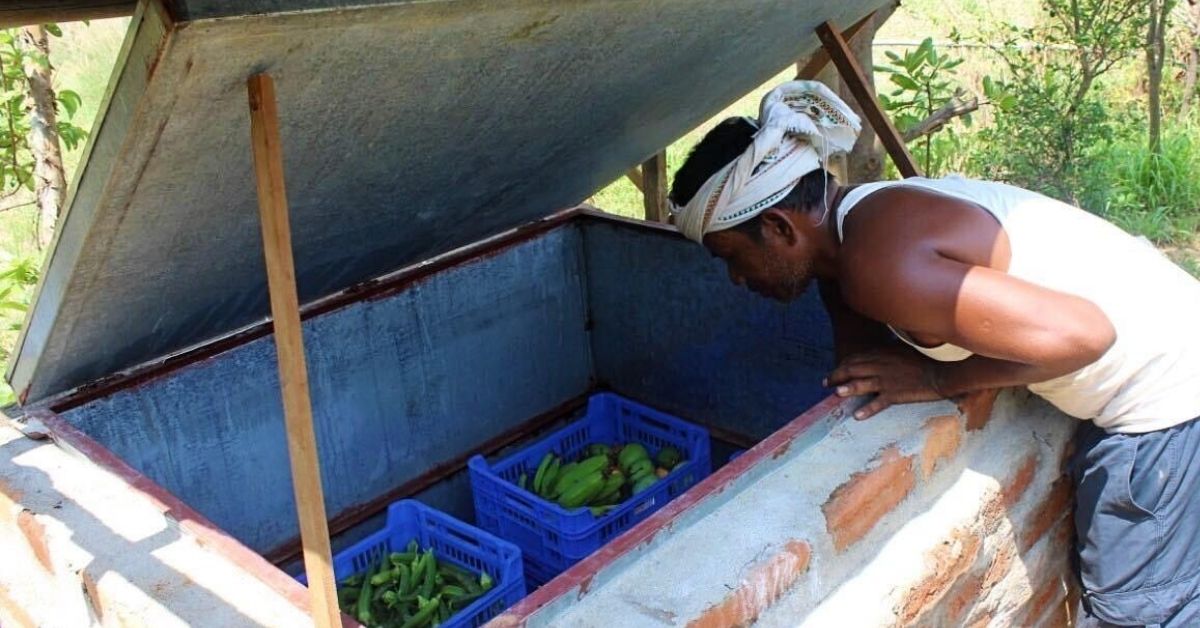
[(989, 286)]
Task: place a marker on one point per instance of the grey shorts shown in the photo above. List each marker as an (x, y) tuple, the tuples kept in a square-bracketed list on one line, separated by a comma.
[(1137, 525)]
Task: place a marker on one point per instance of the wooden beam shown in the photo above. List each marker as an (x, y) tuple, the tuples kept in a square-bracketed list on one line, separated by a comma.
[(856, 81), (654, 187), (27, 12), (820, 58), (634, 175), (293, 373)]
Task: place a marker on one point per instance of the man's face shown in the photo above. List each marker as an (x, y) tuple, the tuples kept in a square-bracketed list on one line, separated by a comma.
[(779, 265)]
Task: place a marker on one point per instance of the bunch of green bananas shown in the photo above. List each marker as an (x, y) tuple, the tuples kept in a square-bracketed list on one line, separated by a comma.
[(602, 478), (410, 589)]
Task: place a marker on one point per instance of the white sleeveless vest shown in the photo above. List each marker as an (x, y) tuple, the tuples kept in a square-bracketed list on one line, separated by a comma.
[(1150, 378)]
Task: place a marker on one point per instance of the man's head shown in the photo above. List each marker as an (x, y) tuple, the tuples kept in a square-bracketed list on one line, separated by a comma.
[(774, 252)]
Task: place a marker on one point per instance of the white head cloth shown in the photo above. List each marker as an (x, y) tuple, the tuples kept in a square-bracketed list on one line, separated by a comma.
[(801, 123)]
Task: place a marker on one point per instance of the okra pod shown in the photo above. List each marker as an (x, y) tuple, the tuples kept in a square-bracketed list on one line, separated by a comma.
[(424, 614)]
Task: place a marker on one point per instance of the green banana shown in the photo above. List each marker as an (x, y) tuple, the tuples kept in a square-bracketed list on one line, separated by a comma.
[(630, 453), (668, 457), (579, 471), (551, 475), (540, 475), (611, 490), (581, 491), (598, 449), (600, 511), (640, 466), (644, 483)]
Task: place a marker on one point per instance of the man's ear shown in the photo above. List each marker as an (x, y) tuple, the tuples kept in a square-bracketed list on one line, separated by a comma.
[(778, 224)]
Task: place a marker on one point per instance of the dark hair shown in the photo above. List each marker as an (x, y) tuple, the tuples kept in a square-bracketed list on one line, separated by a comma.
[(723, 144)]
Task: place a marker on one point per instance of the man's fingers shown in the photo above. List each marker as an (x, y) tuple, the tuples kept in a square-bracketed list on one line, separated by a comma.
[(861, 386), (847, 372), (879, 404)]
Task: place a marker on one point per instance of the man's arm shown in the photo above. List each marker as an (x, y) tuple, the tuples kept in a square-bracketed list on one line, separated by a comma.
[(909, 273), (852, 332)]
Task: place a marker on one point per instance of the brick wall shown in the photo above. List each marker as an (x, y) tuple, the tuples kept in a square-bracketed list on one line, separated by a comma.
[(78, 548), (927, 515)]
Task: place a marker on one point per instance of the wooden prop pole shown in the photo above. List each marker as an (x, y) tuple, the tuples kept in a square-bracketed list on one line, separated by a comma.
[(293, 374), (654, 187), (848, 69), (820, 57)]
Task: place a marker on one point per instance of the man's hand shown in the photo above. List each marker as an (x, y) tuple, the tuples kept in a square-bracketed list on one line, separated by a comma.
[(895, 375)]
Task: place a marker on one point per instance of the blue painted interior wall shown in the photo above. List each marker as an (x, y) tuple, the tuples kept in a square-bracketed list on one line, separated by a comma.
[(405, 382), (398, 385), (670, 329)]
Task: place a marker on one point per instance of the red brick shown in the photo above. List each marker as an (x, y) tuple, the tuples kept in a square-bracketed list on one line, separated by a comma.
[(1053, 508), (977, 407), (993, 512), (945, 565), (1059, 616), (983, 621), (853, 509), (1015, 488), (943, 435), (9, 608), (91, 593), (1040, 605), (999, 567), (966, 594), (762, 587), (1041, 600), (35, 535)]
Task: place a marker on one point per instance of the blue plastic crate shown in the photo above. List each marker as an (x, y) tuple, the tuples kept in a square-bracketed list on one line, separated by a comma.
[(452, 541), (552, 538)]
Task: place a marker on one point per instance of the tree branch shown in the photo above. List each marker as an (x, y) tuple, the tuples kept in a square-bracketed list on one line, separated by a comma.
[(938, 119)]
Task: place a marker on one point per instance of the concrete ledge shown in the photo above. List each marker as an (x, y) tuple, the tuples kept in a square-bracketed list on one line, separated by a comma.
[(927, 514), (82, 549)]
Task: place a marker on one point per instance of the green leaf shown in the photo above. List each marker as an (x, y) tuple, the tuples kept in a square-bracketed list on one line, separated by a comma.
[(53, 29), (1008, 102), (989, 87), (926, 49), (70, 101), (905, 82), (893, 57)]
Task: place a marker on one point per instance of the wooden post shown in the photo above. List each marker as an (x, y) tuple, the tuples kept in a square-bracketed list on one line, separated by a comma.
[(853, 76), (654, 187), (634, 175), (293, 374), (820, 57)]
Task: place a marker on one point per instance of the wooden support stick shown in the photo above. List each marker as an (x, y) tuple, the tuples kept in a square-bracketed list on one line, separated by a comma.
[(293, 374), (820, 58), (634, 175), (853, 76), (654, 187)]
